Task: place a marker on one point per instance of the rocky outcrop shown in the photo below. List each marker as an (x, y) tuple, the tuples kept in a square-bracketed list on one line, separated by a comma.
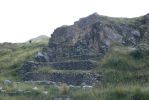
[(28, 66), (93, 35), (78, 46)]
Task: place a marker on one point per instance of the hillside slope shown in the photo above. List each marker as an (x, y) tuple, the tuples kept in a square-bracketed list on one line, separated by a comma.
[(109, 54), (82, 47), (39, 39), (13, 55)]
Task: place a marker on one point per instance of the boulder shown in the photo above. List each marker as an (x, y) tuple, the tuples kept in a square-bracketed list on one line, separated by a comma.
[(7, 82)]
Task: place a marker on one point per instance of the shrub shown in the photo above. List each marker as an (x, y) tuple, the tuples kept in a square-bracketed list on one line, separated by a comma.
[(118, 63), (140, 95), (64, 89), (137, 54), (120, 92)]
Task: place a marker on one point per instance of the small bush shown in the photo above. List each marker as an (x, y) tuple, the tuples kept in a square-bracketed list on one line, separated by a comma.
[(120, 92), (117, 94), (64, 89), (117, 63), (137, 54), (140, 95)]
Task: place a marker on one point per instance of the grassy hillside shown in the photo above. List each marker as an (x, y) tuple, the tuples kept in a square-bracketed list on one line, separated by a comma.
[(12, 57), (124, 69), (125, 64), (40, 39)]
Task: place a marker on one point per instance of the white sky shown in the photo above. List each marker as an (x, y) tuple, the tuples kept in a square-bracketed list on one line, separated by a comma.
[(21, 20)]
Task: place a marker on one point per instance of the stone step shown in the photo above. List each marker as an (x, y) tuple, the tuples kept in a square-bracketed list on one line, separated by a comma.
[(31, 66), (68, 78), (72, 65), (50, 70)]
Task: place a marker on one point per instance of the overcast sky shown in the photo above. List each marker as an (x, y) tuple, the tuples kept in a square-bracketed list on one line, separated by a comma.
[(21, 20)]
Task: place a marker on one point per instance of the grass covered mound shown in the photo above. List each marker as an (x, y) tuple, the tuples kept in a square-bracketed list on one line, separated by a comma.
[(13, 55), (124, 70), (24, 91), (124, 64)]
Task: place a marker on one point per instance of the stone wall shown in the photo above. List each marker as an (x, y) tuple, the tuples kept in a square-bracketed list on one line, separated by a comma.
[(74, 65), (69, 78)]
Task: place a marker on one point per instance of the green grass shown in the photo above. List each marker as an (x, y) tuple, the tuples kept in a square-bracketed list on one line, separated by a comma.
[(125, 72), (101, 92), (125, 65), (113, 93), (14, 55)]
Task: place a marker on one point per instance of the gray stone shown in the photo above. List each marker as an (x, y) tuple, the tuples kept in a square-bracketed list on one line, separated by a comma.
[(1, 88), (68, 78), (62, 98), (74, 65), (40, 57), (28, 66), (87, 87), (7, 82), (57, 98)]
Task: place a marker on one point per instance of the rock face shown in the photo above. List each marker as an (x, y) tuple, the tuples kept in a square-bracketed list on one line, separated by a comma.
[(92, 35), (78, 46)]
